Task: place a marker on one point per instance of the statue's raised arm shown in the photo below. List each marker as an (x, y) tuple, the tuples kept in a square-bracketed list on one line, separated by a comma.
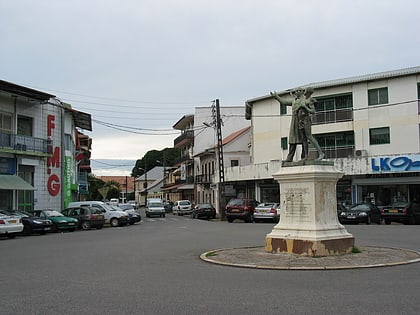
[(282, 101)]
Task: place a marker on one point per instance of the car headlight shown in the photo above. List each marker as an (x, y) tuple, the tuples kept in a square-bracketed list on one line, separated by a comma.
[(37, 222), (62, 221), (363, 214), (342, 214)]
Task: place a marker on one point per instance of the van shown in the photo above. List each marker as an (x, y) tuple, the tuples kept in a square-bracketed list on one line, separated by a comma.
[(113, 215), (155, 207)]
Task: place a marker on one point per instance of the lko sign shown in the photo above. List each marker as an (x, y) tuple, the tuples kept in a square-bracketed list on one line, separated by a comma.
[(401, 163), (53, 161)]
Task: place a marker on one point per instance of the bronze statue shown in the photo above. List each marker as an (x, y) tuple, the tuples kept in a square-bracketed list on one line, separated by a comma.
[(303, 106)]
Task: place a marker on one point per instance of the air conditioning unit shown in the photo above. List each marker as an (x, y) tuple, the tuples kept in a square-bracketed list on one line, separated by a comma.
[(360, 153)]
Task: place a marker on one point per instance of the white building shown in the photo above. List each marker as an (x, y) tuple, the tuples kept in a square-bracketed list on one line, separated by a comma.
[(42, 152), (369, 125)]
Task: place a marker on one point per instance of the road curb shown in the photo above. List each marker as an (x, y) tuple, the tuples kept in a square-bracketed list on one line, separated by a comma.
[(255, 257)]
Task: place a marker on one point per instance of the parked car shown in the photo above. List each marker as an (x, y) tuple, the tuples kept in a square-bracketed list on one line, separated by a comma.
[(133, 215), (403, 212), (267, 211), (168, 205), (113, 216), (203, 210), (113, 201), (182, 207), (133, 203), (87, 217), (361, 213), (155, 207), (10, 225), (242, 209), (59, 220), (341, 208), (33, 224)]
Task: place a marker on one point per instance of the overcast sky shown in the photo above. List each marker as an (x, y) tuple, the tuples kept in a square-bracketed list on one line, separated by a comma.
[(140, 65)]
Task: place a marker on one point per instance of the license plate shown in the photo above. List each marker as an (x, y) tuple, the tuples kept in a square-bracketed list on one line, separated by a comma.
[(393, 210), (12, 221), (47, 229), (351, 216), (235, 210)]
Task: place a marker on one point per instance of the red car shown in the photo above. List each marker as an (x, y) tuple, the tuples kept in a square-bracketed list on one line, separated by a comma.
[(242, 209)]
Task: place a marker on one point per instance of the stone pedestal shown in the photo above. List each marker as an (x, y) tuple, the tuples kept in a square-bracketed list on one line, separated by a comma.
[(308, 219)]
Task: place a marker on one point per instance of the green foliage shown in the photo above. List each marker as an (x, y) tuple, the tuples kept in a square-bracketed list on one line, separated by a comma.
[(94, 185), (167, 157), (356, 250)]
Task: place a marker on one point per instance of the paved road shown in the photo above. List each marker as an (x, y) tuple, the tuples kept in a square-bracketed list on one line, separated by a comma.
[(154, 268)]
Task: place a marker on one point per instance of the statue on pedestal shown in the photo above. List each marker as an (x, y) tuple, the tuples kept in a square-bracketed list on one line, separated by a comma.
[(303, 106)]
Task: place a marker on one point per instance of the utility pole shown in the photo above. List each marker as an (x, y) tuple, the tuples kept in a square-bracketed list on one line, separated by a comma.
[(220, 159)]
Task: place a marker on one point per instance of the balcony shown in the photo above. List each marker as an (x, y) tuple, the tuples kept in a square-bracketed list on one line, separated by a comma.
[(20, 144), (204, 178), (185, 139)]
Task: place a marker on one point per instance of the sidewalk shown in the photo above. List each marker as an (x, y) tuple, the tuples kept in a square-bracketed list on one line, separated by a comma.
[(256, 257)]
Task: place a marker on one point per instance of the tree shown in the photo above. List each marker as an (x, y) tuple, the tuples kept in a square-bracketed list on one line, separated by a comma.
[(94, 185), (167, 156)]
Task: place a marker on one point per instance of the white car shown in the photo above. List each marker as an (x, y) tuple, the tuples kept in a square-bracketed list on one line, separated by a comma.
[(182, 207), (155, 208), (267, 211), (10, 225)]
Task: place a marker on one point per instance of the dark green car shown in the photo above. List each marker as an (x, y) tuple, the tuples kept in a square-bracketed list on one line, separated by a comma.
[(60, 222)]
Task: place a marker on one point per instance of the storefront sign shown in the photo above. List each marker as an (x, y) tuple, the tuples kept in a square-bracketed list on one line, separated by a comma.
[(402, 163), (53, 161), (7, 166)]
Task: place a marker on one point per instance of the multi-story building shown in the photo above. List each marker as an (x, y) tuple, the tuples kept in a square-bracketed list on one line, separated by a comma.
[(368, 125), (44, 158)]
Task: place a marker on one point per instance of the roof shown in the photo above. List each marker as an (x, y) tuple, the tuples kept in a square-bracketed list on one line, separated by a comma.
[(235, 135), (19, 90), (337, 82), (184, 122)]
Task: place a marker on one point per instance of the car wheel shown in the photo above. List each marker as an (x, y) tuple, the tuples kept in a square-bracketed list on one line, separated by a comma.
[(85, 225), (114, 222), (249, 219), (387, 221), (27, 230), (230, 220)]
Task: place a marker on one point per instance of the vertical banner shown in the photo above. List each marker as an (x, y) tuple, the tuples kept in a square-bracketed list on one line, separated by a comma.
[(67, 180)]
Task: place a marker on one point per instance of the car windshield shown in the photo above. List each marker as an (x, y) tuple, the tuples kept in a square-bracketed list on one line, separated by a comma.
[(236, 202), (155, 205), (399, 204), (267, 205), (53, 213), (114, 208), (184, 203), (361, 207)]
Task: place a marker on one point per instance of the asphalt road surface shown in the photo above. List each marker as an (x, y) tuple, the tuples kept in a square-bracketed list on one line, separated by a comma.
[(154, 268)]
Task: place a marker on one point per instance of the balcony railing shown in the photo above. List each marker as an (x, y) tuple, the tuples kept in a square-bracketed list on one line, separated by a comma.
[(183, 140), (204, 178), (26, 144)]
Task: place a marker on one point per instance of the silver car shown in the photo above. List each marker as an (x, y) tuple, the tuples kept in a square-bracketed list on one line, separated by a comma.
[(182, 207), (267, 211)]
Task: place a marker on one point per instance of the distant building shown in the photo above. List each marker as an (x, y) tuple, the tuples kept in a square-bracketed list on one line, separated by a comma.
[(126, 184)]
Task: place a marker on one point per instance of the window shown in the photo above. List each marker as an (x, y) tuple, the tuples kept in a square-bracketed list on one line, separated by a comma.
[(379, 136), (283, 109), (284, 143), (333, 108), (335, 145), (5, 122), (234, 163), (378, 96), (24, 126)]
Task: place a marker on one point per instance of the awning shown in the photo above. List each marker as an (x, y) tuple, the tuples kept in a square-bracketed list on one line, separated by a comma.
[(187, 186), (13, 182)]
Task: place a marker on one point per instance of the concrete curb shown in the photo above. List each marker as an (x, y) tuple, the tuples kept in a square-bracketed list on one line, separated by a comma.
[(255, 257)]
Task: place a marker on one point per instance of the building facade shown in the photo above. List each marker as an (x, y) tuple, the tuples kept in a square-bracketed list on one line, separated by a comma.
[(44, 156), (368, 125)]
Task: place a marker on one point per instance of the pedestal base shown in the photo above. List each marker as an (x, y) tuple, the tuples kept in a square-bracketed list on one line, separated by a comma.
[(328, 247), (308, 219)]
